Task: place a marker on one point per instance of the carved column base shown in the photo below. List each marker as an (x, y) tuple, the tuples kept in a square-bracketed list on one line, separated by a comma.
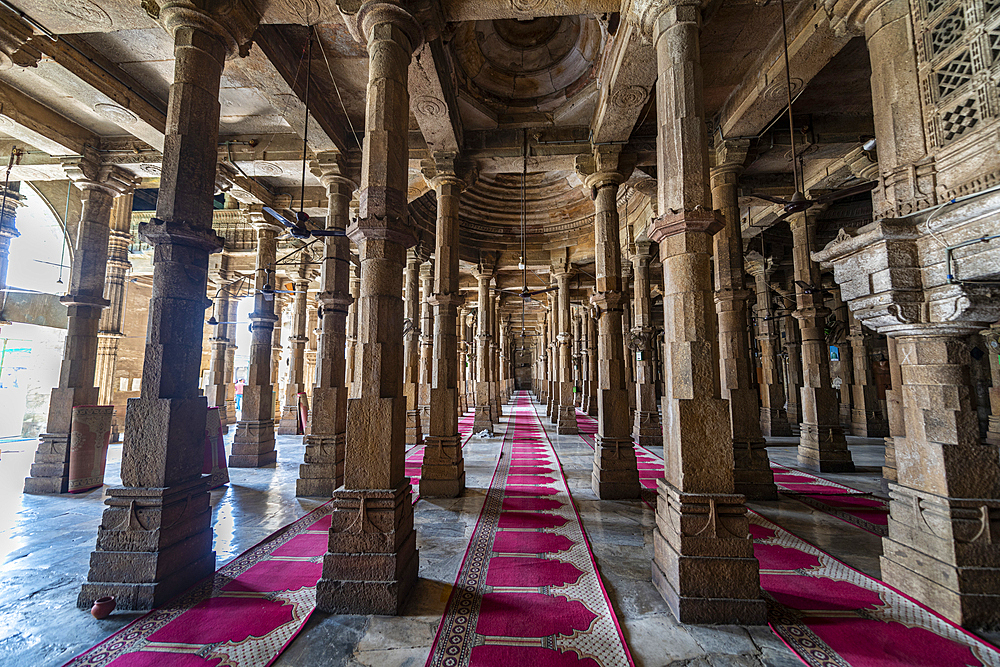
[(868, 424), (752, 474), (253, 445), (414, 431), (50, 471), (323, 470), (372, 561), (703, 563), (495, 410), (566, 424), (824, 449), (482, 420), (425, 420), (945, 552), (774, 423), (289, 423), (592, 406), (442, 474), (647, 429), (551, 405), (616, 474)]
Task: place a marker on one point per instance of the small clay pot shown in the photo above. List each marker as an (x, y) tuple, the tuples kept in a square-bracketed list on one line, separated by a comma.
[(103, 607)]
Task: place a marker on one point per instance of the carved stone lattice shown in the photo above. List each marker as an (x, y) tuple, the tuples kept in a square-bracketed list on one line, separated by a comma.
[(963, 117), (947, 32), (955, 74)]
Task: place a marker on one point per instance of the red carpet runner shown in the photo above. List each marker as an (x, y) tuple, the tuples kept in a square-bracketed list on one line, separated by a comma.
[(528, 591), (828, 613), (245, 616), (415, 454)]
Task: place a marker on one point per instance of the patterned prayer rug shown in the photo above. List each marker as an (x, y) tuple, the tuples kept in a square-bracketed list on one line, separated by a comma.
[(415, 454), (528, 591), (830, 614), (856, 507), (244, 616)]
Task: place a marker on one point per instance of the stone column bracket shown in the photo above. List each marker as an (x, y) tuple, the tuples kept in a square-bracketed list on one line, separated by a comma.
[(393, 229), (180, 232), (446, 299), (84, 300), (233, 21), (678, 222)]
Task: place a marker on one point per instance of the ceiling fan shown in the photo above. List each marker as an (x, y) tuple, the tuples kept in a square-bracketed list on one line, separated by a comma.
[(799, 202), (300, 229)]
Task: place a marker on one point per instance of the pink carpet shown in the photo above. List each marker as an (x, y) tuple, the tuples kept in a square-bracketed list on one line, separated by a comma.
[(244, 616), (827, 613), (415, 454), (528, 591)]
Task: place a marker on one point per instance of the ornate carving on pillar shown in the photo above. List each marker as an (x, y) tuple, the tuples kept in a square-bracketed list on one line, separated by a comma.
[(411, 344), (290, 423), (155, 538), (773, 418), (706, 576), (426, 348), (372, 561), (224, 312), (646, 429), (484, 418), (566, 422), (992, 338)]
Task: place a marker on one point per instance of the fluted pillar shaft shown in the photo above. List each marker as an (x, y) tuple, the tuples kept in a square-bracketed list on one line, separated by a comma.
[(704, 568), (322, 471), (592, 381), (371, 566), (752, 474), (773, 418), (149, 555), (443, 468), (411, 346), (646, 427), (217, 392), (566, 424), (290, 422), (484, 417), (426, 345), (111, 328), (352, 326)]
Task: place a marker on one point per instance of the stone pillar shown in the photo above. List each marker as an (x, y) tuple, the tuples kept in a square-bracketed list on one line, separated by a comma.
[(846, 374), (542, 375), (230, 367), (323, 469), (773, 418), (484, 418), (426, 346), (630, 371), (443, 471), (992, 338), (111, 328), (84, 301), (276, 348), (615, 474), (552, 408), (646, 427), (8, 231), (503, 353), (495, 402), (155, 538), (253, 443), (352, 326), (867, 419), (894, 413), (372, 561), (793, 360), (592, 380), (752, 474), (463, 358), (704, 565), (289, 424), (217, 391), (411, 346), (821, 439), (312, 331), (566, 423)]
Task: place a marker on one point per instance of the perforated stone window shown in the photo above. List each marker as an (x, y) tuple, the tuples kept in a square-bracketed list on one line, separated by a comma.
[(947, 32), (959, 119)]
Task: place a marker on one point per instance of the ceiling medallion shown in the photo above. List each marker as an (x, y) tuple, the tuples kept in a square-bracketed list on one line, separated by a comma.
[(429, 106), (150, 168), (116, 114), (267, 169), (776, 91), (86, 11), (527, 6), (632, 96)]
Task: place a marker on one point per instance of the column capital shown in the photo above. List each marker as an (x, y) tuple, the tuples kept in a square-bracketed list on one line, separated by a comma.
[(376, 13), (678, 222), (650, 14), (728, 155), (336, 171), (88, 173), (233, 22), (16, 47), (605, 166), (261, 221), (443, 169)]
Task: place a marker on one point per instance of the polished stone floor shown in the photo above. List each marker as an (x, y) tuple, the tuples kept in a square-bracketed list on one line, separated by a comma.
[(45, 545)]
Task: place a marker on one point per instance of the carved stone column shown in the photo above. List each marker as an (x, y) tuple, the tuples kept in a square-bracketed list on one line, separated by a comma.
[(627, 339), (352, 326), (793, 359), (867, 419), (443, 470), (592, 380), (615, 474), (8, 229), (312, 331), (411, 346), (84, 301), (773, 418), (280, 303), (646, 428), (323, 469), (496, 404), (484, 418), (552, 408), (463, 358), (217, 391), (372, 561), (426, 346), (503, 352), (704, 565), (846, 371), (894, 413), (752, 473), (253, 443), (111, 328), (289, 424), (542, 379), (821, 439), (566, 422), (992, 337), (155, 538)]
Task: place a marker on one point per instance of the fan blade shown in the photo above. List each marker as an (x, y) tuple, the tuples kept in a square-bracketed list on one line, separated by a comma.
[(783, 216), (328, 232), (540, 291), (773, 200), (280, 218), (846, 192)]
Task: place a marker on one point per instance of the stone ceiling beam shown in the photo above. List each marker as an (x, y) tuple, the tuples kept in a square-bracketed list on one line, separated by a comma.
[(107, 78), (40, 126), (271, 69), (477, 10), (432, 99), (625, 84), (813, 43)]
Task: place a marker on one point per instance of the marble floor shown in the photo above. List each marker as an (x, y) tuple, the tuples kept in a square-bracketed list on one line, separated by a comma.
[(45, 545)]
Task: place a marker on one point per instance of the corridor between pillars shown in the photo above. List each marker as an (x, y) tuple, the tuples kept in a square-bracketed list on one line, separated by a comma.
[(372, 560)]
